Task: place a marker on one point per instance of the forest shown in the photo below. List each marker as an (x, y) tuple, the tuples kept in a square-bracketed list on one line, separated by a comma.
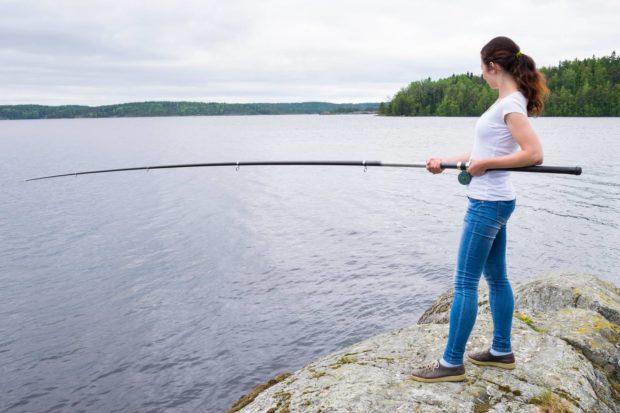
[(143, 109), (587, 87)]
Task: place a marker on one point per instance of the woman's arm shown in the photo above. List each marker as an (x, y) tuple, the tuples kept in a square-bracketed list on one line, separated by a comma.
[(433, 165), (531, 152)]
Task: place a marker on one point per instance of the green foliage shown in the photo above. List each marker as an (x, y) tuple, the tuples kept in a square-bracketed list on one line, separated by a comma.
[(179, 109), (589, 87)]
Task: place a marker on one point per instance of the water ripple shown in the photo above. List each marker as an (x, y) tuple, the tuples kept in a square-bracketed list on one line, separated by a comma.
[(182, 290)]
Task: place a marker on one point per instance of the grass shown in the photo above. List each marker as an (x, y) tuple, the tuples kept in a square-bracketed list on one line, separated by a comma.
[(549, 402)]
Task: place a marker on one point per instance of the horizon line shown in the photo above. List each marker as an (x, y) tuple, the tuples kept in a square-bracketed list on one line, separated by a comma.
[(193, 101)]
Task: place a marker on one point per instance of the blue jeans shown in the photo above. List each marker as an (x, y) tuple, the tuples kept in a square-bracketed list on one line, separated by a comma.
[(482, 250)]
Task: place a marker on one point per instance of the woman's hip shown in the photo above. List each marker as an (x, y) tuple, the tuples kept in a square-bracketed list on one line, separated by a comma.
[(491, 213)]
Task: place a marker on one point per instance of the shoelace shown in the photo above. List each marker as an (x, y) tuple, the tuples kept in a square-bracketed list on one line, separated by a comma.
[(431, 366)]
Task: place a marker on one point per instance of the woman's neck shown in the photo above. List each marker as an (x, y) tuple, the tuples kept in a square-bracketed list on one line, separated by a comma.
[(507, 85)]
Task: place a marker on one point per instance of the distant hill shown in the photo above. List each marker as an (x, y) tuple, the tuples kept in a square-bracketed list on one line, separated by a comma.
[(588, 87), (180, 109)]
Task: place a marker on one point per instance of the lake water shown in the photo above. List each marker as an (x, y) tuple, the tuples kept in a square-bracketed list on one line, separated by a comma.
[(179, 290)]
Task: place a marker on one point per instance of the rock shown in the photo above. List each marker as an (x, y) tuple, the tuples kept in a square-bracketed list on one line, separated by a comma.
[(439, 311), (570, 291), (565, 337), (550, 292)]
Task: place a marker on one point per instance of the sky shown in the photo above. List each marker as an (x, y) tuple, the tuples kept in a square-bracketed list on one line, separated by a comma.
[(96, 52)]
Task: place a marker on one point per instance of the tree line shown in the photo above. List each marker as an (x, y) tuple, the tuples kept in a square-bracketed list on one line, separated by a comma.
[(588, 87), (141, 109)]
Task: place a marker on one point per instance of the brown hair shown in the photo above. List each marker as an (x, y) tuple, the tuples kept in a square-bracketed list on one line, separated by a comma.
[(506, 53)]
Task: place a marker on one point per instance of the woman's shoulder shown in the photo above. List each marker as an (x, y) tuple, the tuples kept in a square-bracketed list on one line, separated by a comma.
[(514, 102), (517, 96)]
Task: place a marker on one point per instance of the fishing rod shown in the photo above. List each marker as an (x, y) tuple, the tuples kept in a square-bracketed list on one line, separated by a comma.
[(464, 176)]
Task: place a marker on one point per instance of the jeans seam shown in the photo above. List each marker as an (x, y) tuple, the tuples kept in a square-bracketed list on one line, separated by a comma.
[(494, 326), (459, 323), (458, 326)]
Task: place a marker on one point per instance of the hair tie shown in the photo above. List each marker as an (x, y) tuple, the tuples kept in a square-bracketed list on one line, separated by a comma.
[(518, 55)]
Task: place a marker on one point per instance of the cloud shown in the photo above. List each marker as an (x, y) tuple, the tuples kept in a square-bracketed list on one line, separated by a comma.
[(94, 52)]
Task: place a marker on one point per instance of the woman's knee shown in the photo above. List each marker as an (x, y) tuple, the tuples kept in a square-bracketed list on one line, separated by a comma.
[(497, 280)]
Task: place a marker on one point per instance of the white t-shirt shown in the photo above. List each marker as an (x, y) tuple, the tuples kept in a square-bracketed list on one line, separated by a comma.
[(493, 139)]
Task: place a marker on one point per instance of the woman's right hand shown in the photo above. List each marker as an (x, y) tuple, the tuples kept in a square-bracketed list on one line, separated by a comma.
[(433, 165)]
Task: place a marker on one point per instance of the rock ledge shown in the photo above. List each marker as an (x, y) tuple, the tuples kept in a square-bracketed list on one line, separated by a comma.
[(565, 336)]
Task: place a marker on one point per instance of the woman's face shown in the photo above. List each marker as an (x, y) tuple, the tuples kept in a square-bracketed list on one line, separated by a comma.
[(490, 74)]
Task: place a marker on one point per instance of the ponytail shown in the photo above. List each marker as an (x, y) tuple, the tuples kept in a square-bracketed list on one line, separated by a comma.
[(504, 52)]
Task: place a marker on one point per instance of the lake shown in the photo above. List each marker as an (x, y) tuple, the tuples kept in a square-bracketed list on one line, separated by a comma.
[(180, 290)]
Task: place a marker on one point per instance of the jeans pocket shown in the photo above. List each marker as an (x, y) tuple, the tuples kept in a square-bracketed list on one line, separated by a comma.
[(504, 210), (475, 205), (473, 210)]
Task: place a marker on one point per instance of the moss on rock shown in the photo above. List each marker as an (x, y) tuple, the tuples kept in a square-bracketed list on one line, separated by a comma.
[(249, 397), (528, 320), (549, 402)]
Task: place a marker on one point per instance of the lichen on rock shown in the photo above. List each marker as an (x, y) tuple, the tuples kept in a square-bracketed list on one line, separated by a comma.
[(565, 337)]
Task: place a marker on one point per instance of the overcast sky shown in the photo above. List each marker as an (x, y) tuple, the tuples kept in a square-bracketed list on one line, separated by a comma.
[(110, 51)]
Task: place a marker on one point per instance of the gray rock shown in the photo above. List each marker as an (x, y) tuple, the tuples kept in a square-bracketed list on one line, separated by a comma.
[(565, 337), (555, 292)]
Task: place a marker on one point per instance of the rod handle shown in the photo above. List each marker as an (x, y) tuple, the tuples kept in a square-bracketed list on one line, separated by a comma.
[(568, 170)]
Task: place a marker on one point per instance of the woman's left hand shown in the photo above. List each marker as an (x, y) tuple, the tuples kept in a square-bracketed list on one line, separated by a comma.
[(477, 168)]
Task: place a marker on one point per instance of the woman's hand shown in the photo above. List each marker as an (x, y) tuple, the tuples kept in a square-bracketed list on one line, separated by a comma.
[(433, 165), (477, 168)]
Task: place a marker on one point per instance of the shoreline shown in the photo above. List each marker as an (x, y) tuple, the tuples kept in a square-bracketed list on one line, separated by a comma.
[(562, 322)]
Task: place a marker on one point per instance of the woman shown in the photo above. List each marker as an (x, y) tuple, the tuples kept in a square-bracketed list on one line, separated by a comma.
[(499, 133)]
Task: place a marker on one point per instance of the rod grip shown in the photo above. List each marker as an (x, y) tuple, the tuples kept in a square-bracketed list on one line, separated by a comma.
[(568, 170)]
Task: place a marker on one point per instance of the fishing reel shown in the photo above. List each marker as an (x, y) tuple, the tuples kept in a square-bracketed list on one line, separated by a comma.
[(464, 177)]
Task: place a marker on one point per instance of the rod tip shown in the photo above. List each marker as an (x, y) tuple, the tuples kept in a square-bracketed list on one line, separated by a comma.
[(578, 170)]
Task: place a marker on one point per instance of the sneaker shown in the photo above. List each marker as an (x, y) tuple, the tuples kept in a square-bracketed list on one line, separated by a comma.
[(485, 358), (435, 372)]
